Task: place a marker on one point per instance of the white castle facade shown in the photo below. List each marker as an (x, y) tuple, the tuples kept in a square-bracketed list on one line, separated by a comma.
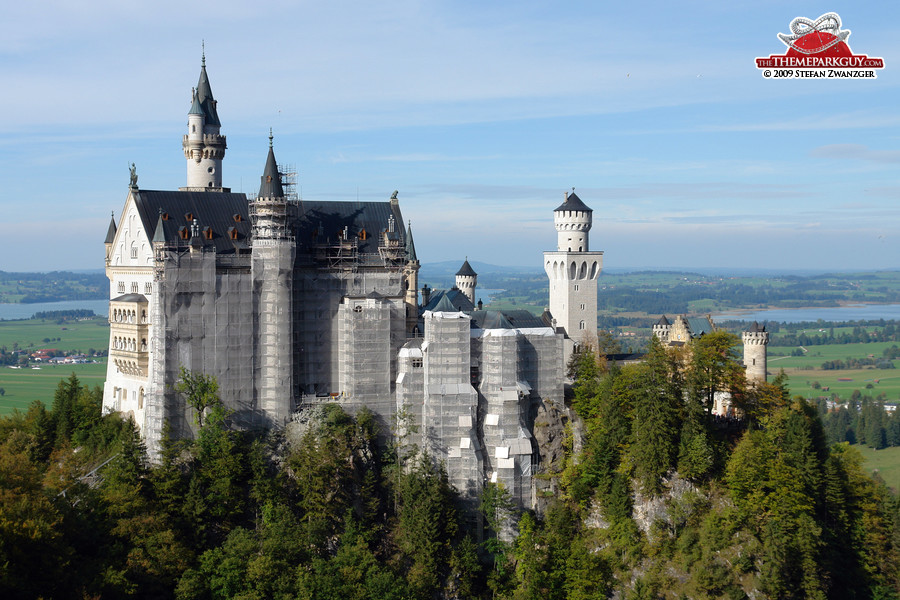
[(290, 303)]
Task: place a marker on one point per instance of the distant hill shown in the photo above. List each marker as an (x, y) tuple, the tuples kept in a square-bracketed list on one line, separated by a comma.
[(55, 286)]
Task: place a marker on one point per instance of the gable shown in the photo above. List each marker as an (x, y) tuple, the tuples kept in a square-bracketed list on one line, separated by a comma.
[(131, 246)]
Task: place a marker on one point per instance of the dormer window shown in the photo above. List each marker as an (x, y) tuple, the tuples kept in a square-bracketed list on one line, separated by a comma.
[(363, 234), (184, 233), (237, 218), (232, 233), (188, 217), (208, 233)]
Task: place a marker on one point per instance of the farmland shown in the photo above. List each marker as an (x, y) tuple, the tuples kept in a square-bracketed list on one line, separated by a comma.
[(23, 386), (38, 381)]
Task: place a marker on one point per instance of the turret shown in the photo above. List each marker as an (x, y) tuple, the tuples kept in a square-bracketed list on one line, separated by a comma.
[(411, 281), (756, 341), (662, 329), (466, 280), (572, 219), (110, 237), (271, 266), (204, 148), (269, 210)]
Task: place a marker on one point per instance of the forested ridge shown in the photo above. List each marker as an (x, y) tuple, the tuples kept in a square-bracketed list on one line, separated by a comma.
[(663, 500)]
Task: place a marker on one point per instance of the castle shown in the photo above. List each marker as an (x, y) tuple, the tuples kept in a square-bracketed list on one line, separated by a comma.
[(679, 332), (291, 303)]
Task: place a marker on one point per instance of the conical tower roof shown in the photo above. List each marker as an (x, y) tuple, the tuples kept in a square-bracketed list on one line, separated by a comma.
[(204, 97), (466, 270), (159, 236), (410, 245), (270, 182), (111, 232), (574, 203)]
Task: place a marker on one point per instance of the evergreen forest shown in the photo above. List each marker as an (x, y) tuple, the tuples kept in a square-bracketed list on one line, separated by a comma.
[(652, 497)]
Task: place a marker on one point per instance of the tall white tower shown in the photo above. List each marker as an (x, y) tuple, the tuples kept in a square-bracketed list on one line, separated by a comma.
[(466, 280), (204, 148), (573, 271), (756, 341)]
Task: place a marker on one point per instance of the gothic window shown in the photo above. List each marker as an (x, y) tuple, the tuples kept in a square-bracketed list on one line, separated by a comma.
[(134, 252), (357, 309), (148, 287), (121, 287), (583, 306), (576, 287), (134, 287), (416, 363), (581, 325)]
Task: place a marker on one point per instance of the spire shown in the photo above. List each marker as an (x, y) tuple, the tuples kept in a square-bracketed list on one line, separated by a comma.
[(410, 245), (204, 96), (270, 182), (111, 232), (196, 109), (159, 236)]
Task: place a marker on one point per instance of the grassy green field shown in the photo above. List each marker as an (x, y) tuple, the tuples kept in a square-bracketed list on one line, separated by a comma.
[(22, 386), (886, 462), (73, 335), (816, 355), (802, 371), (800, 382)]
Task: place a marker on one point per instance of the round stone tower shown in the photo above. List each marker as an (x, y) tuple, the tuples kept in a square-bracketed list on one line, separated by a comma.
[(662, 329), (271, 268), (573, 270), (756, 340), (573, 224), (466, 279), (204, 147)]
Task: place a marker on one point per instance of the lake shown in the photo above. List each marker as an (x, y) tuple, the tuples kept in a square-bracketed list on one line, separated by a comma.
[(9, 312), (850, 312)]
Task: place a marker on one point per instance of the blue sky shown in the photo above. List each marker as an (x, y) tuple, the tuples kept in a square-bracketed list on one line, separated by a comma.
[(481, 114)]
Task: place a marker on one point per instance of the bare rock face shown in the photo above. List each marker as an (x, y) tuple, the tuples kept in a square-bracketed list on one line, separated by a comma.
[(668, 509), (552, 425)]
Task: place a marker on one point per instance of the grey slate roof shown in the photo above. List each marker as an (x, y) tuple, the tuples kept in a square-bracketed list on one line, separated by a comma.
[(455, 296), (270, 181), (756, 328), (506, 319), (663, 321), (130, 298), (205, 97), (216, 210), (444, 305), (159, 236), (573, 202), (323, 222), (466, 270), (410, 245), (111, 232)]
